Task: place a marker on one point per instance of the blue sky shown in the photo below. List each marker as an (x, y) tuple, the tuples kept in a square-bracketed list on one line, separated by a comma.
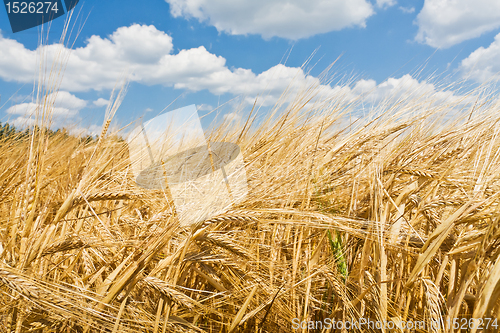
[(210, 52)]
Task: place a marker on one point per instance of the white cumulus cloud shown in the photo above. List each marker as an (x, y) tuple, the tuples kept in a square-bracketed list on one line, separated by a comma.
[(484, 63), (204, 107), (404, 88), (385, 3), (65, 107), (407, 10), (102, 61), (444, 23), (92, 130), (230, 117), (101, 102), (293, 19)]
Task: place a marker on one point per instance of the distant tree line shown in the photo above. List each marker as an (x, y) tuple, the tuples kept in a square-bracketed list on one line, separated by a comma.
[(8, 131)]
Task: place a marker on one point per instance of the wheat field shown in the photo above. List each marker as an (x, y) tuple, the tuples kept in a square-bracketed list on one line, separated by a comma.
[(390, 216)]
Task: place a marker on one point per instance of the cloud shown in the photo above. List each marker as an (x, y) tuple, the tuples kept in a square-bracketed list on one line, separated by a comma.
[(385, 3), (92, 130), (137, 49), (101, 102), (293, 19), (102, 61), (230, 117), (65, 107), (29, 109), (444, 23), (403, 88), (16, 62), (204, 107), (364, 86), (22, 122), (484, 63), (407, 10), (66, 100), (64, 104)]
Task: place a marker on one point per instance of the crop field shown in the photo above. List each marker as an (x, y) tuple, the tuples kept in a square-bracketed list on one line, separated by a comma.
[(392, 216)]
